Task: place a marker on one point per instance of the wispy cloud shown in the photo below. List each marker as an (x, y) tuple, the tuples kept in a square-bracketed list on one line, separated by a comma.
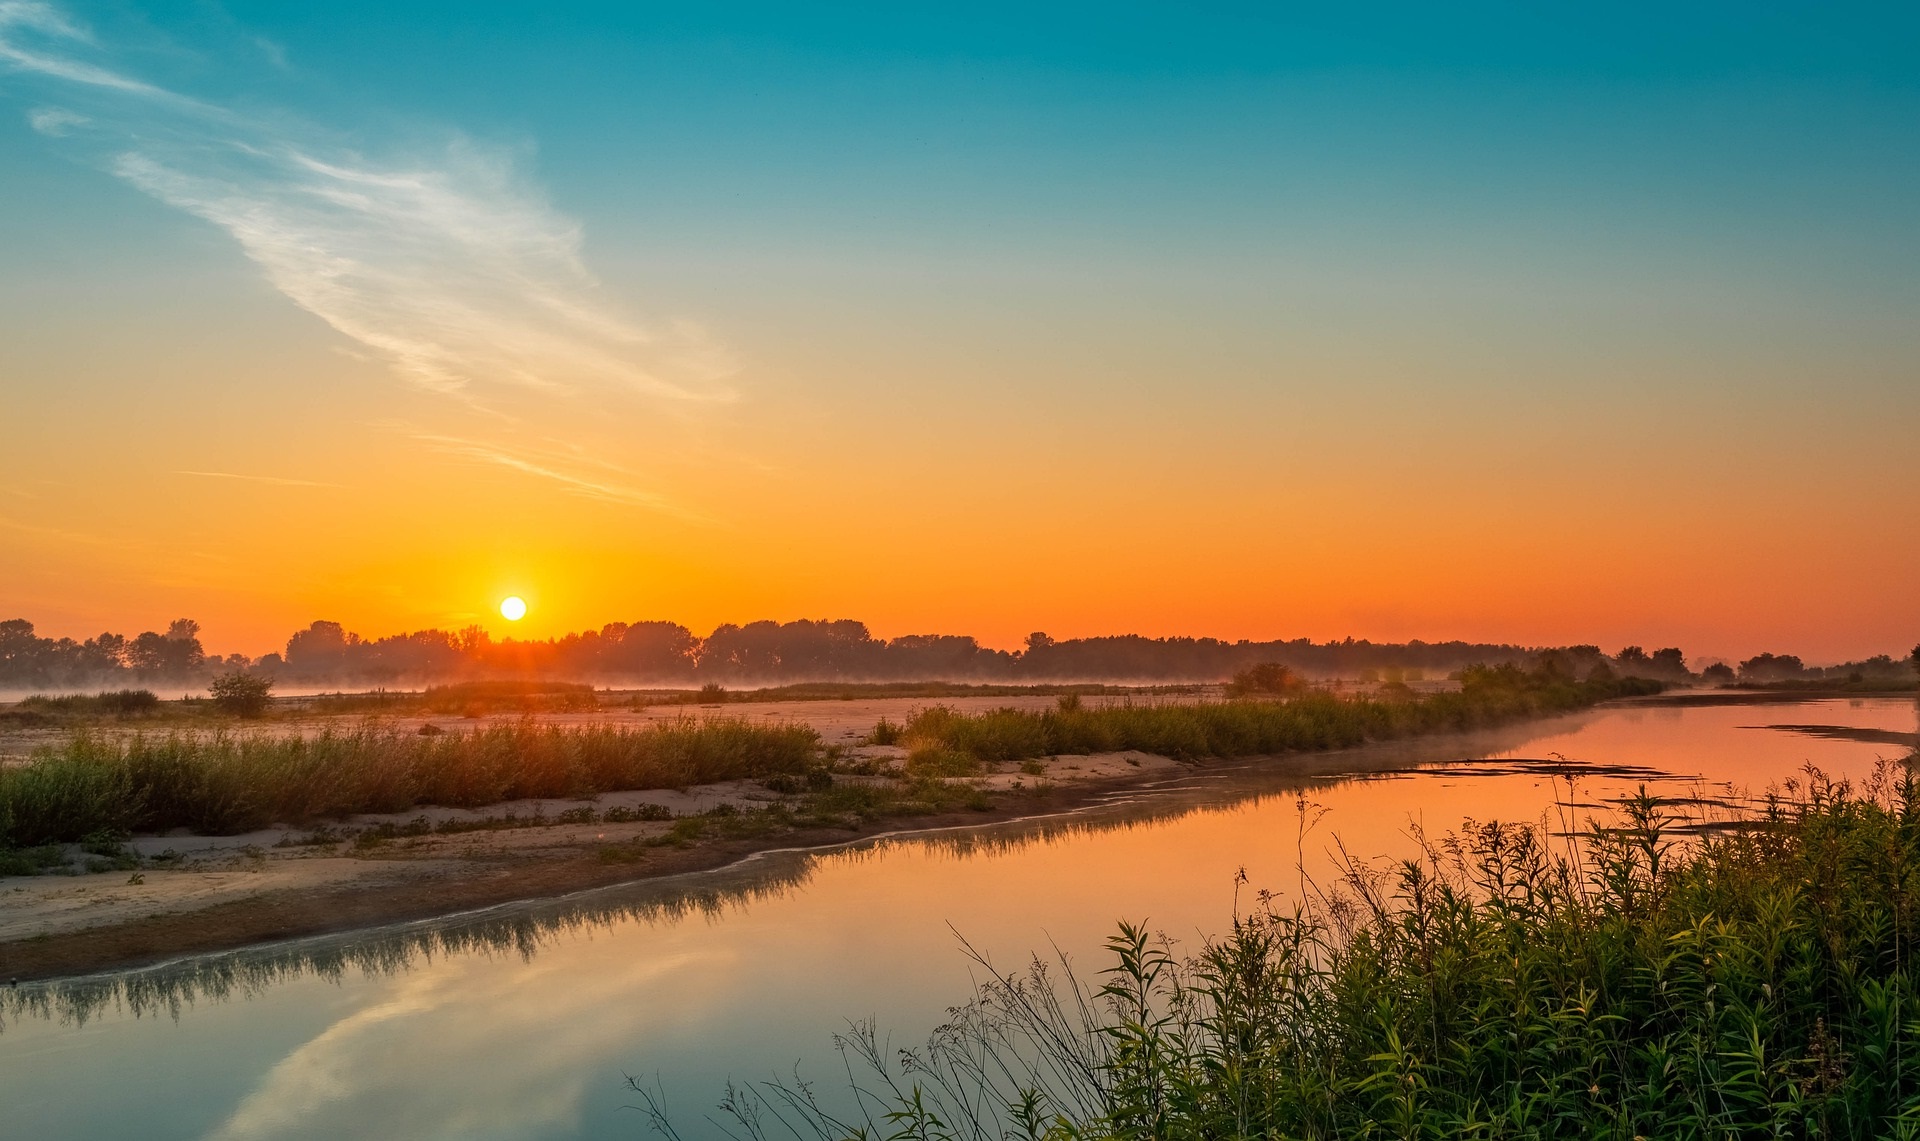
[(560, 467), (55, 121), (272, 479), (449, 265)]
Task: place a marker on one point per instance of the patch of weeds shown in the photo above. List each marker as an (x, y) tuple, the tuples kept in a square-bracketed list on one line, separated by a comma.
[(1034, 767), (885, 732), (621, 853), (102, 843), (36, 861), (321, 836), (792, 784), (375, 834), (583, 815), (932, 760), (684, 832), (724, 822), (621, 815), (106, 852)]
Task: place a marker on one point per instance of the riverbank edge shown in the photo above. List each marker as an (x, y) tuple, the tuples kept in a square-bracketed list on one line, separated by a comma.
[(290, 914)]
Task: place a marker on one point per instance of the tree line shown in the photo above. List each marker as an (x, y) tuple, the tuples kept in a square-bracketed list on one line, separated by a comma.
[(767, 652)]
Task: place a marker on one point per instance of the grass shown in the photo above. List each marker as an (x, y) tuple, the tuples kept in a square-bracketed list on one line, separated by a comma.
[(1755, 981), (223, 783), (465, 699), (1315, 721), (118, 703), (1876, 684), (850, 691)]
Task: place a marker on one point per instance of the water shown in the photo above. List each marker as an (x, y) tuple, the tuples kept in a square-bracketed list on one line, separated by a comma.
[(523, 1022)]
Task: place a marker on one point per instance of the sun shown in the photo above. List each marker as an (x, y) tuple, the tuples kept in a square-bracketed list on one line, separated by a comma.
[(514, 608)]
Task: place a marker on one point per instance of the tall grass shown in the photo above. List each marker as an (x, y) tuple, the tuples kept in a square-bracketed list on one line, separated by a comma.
[(123, 702), (1316, 721), (223, 783), (1512, 983)]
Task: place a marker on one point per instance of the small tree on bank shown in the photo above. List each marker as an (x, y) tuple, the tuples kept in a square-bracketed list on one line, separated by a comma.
[(241, 694)]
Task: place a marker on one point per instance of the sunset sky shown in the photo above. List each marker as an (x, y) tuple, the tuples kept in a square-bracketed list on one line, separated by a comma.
[(1490, 322)]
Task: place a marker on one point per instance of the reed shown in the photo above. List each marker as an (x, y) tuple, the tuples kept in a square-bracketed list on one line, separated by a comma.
[(222, 783), (119, 702), (1634, 981), (1310, 722)]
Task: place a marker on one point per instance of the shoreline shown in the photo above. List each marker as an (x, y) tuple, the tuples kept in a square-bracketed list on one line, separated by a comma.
[(493, 869), (245, 891)]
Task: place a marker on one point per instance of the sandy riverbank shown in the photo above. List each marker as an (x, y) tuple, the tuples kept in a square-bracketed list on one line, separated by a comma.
[(202, 893)]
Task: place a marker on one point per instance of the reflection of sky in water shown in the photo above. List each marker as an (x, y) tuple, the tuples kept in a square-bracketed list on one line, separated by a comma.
[(474, 1042)]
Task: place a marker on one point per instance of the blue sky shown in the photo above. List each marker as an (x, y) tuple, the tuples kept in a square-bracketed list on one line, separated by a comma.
[(671, 261)]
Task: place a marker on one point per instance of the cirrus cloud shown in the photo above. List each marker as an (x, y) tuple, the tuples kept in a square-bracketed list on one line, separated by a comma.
[(448, 264)]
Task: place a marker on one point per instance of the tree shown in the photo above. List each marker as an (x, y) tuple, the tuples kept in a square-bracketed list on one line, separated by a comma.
[(1670, 663), (241, 694), (171, 654), (1772, 667), (1915, 659), (319, 649)]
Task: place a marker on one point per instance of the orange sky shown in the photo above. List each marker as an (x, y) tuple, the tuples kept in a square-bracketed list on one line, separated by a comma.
[(1189, 334)]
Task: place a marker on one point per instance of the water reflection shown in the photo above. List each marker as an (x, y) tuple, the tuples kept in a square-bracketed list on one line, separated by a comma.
[(521, 930), (520, 1021)]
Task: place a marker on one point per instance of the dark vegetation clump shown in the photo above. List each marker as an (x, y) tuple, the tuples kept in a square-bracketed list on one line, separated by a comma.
[(240, 694), (1268, 679), (115, 703), (478, 698), (222, 783), (1643, 979)]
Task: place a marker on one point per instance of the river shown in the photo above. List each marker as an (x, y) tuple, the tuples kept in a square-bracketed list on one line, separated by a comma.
[(522, 1022)]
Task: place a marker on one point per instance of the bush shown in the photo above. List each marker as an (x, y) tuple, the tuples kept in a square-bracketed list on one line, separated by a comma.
[(1270, 679), (241, 694)]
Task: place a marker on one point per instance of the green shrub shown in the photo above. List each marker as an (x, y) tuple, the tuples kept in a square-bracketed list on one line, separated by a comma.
[(241, 694)]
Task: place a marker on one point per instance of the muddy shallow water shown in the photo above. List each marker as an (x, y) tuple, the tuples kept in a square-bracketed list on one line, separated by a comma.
[(522, 1021)]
